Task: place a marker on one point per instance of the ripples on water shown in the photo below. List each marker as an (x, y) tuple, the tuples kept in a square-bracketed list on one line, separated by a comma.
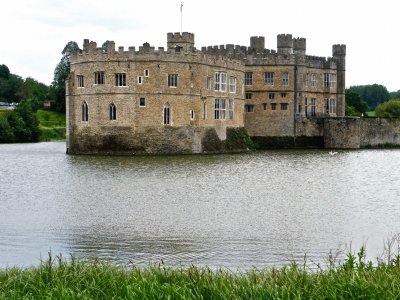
[(237, 211)]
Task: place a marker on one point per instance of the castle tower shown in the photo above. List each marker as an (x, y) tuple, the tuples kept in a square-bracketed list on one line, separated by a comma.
[(339, 52), (299, 46), (184, 41), (284, 43), (257, 43)]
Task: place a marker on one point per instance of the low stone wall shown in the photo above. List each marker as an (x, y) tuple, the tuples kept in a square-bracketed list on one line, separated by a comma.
[(379, 132)]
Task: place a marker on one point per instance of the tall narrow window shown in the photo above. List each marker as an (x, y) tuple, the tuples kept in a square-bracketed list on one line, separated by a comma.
[(80, 81), (285, 78), (332, 106), (99, 77), (220, 108), (172, 80), (85, 112), (248, 78), (326, 79), (167, 114), (120, 79), (306, 79), (326, 105), (306, 107), (112, 111), (208, 83), (204, 110), (220, 81), (313, 107), (142, 102), (146, 73), (332, 80), (313, 79), (269, 78), (140, 79), (231, 109), (232, 84), (192, 115)]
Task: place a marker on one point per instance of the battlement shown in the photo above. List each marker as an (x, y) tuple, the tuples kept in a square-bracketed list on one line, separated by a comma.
[(184, 40), (257, 42), (339, 50), (284, 43), (299, 45)]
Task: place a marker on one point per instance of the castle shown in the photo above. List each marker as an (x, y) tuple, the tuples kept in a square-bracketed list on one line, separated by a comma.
[(185, 100)]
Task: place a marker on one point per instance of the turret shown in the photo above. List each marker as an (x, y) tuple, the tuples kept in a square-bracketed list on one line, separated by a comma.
[(257, 43), (299, 46), (339, 52), (178, 41), (284, 43)]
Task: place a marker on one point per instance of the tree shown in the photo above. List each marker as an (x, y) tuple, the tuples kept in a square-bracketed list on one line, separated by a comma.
[(395, 95), (61, 74), (354, 100), (389, 109), (372, 94)]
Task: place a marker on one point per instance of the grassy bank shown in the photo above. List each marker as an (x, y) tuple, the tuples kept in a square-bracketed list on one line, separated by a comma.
[(58, 279), (51, 125)]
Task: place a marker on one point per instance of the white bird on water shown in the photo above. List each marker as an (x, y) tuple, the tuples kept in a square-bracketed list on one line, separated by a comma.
[(332, 153)]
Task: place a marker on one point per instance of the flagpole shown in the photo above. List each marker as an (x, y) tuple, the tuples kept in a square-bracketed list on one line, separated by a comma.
[(181, 17)]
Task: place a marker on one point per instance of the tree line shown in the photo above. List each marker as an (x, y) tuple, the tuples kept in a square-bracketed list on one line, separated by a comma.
[(20, 125)]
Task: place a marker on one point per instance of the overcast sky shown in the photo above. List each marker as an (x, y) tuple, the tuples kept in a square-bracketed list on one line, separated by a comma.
[(34, 32)]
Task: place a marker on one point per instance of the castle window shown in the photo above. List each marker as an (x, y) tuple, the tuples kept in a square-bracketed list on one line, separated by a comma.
[(85, 112), (142, 102), (208, 83), (269, 78), (330, 106), (112, 111), (329, 80), (120, 79), (220, 81), (273, 106), (283, 95), (271, 96), (313, 79), (232, 84), (306, 79), (167, 115), (313, 107), (140, 79), (265, 106), (285, 78), (306, 107), (298, 108), (98, 77), (248, 78), (204, 110), (220, 108), (172, 80), (80, 81), (249, 108), (249, 96), (146, 73), (192, 115), (231, 108), (284, 106)]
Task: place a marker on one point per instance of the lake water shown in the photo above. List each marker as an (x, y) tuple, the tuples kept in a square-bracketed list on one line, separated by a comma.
[(237, 211)]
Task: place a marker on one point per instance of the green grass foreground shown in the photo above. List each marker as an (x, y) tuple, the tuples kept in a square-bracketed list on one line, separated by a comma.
[(51, 125), (57, 278)]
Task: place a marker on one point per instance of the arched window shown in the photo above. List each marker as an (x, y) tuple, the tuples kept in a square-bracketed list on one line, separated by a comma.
[(85, 112), (113, 112), (167, 114)]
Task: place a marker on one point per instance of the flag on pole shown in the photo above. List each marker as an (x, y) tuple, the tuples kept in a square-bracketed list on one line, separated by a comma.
[(181, 6)]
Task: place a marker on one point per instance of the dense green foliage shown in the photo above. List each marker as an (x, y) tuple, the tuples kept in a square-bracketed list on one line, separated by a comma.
[(59, 279), (355, 105), (19, 125), (61, 74), (389, 109), (51, 124), (372, 94), (395, 95)]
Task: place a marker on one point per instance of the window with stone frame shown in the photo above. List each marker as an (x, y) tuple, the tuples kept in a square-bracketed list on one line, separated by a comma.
[(140, 79), (313, 107), (85, 112), (220, 81), (80, 81), (271, 96), (99, 77), (248, 96), (313, 79), (219, 108), (172, 80), (269, 78), (120, 79), (231, 109), (232, 84), (208, 83), (112, 112), (248, 78), (273, 106), (167, 114), (285, 78), (142, 102), (284, 106), (249, 108)]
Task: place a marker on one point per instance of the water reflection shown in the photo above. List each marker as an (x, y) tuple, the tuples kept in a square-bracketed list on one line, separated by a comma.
[(236, 211)]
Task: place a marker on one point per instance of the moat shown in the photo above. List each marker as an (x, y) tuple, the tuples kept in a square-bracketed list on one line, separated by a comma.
[(255, 209)]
